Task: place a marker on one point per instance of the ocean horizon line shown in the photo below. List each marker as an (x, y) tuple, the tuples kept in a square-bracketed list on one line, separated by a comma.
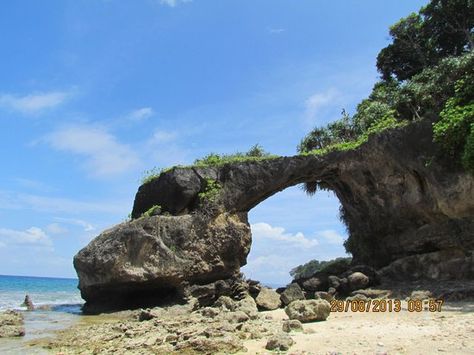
[(41, 277)]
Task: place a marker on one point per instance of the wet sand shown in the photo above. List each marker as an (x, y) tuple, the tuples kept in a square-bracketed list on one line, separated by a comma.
[(38, 325)]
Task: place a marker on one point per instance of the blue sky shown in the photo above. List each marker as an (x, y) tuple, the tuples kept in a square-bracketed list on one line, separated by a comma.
[(95, 92)]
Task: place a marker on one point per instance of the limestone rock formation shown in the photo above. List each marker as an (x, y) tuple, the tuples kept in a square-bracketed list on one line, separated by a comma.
[(292, 293), (11, 324), (279, 342), (357, 280), (308, 310), (138, 262), (292, 325), (399, 201), (268, 299)]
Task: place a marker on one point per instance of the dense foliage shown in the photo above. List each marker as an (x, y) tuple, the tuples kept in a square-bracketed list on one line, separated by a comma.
[(455, 130), (441, 29), (334, 267), (426, 72)]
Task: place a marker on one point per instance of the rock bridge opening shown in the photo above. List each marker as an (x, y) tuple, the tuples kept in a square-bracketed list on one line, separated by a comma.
[(290, 229)]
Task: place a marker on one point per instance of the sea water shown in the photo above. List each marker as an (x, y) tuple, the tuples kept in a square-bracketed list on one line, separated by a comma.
[(60, 295)]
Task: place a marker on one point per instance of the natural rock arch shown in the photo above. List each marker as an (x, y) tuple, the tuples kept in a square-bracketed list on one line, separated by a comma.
[(394, 205)]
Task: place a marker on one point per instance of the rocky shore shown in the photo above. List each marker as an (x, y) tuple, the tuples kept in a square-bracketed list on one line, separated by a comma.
[(237, 327), (11, 324)]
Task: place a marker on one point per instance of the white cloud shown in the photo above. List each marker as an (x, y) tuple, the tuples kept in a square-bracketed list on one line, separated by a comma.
[(160, 137), (87, 227), (173, 3), (46, 204), (331, 236), (275, 31), (104, 155), (32, 236), (141, 114), (33, 103), (317, 102), (264, 230), (55, 228)]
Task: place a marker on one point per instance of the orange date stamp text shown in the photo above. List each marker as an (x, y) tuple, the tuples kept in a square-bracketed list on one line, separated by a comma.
[(386, 305)]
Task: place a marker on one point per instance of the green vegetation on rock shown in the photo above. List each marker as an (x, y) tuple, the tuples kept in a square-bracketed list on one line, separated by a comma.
[(151, 174), (211, 191), (455, 130), (153, 211), (334, 266), (254, 154)]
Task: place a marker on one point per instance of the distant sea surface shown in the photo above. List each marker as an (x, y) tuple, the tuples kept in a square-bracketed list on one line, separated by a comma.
[(62, 294)]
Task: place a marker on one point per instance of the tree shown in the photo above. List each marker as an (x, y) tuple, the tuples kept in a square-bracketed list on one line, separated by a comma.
[(377, 106), (441, 29), (449, 24), (333, 267), (318, 138), (257, 151), (335, 132), (410, 51)]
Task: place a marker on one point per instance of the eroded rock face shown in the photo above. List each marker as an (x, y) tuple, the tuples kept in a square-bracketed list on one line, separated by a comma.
[(398, 200), (152, 258)]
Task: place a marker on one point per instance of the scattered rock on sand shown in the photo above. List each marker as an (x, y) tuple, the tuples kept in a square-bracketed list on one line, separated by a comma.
[(308, 310), (248, 306), (268, 299), (11, 324), (321, 295), (292, 293), (236, 317), (281, 342), (292, 325)]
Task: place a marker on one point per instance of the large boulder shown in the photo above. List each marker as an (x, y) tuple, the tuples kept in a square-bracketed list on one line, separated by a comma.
[(155, 258), (313, 284), (292, 293), (175, 192), (357, 281), (268, 299), (308, 310), (248, 306)]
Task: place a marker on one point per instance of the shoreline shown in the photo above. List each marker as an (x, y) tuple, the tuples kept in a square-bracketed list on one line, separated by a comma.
[(172, 330)]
